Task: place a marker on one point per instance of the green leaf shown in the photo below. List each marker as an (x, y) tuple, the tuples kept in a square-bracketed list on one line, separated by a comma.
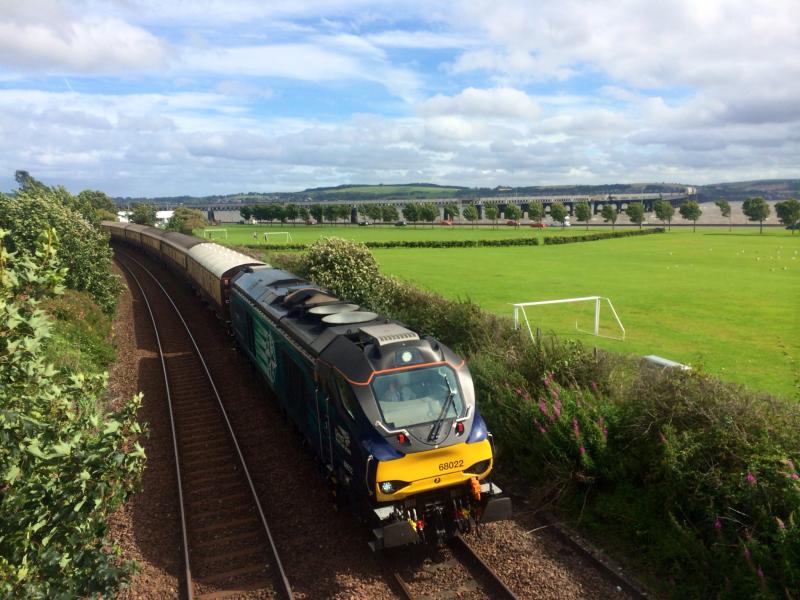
[(12, 473)]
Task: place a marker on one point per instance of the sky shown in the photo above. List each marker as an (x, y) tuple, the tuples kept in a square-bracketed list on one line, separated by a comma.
[(154, 98)]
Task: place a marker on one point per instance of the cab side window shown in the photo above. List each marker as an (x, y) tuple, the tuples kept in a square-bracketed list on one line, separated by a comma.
[(346, 395)]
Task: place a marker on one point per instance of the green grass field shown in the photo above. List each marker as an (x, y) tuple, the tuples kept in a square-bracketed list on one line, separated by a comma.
[(302, 234), (728, 303)]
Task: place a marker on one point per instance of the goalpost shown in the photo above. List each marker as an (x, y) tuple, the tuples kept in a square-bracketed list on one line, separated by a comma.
[(520, 307), (287, 237), (208, 233)]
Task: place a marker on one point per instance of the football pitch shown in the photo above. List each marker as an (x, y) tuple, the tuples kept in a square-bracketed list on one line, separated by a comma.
[(726, 303)]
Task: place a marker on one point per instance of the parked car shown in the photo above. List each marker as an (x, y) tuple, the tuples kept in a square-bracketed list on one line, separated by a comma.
[(795, 226), (400, 224), (512, 223), (446, 223), (363, 223), (539, 225)]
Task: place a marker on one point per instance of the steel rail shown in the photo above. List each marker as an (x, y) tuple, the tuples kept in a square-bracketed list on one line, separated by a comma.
[(459, 544), (184, 535), (286, 586), (486, 576)]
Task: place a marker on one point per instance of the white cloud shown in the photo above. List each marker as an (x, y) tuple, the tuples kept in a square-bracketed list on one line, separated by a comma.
[(493, 103), (86, 45)]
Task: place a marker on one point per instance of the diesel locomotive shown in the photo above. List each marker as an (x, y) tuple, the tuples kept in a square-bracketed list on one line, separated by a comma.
[(390, 414)]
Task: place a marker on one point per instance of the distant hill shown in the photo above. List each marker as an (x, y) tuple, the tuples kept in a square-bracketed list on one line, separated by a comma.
[(771, 189)]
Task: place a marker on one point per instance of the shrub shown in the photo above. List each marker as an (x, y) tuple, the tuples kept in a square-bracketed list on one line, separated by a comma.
[(65, 465), (83, 249), (347, 268)]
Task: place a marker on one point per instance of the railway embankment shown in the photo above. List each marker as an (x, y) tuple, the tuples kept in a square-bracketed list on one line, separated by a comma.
[(693, 479)]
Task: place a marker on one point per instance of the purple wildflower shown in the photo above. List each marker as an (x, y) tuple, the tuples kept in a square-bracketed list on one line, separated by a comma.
[(781, 524), (795, 476), (539, 426), (518, 391), (718, 525), (594, 387), (751, 479), (662, 438), (576, 428), (557, 408), (543, 406), (746, 553), (555, 391), (582, 450), (760, 572)]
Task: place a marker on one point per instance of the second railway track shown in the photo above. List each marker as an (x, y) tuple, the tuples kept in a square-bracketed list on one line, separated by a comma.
[(227, 545)]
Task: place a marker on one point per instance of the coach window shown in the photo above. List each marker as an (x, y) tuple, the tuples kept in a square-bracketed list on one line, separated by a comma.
[(349, 401)]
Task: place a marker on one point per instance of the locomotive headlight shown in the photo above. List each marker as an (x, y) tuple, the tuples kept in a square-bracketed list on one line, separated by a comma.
[(478, 467), (390, 487)]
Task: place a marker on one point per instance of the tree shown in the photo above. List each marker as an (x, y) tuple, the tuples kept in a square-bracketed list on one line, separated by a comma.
[(451, 211), (635, 212), (411, 213), (491, 213), (513, 213), (725, 209), (583, 212), (246, 212), (536, 212), (375, 212), (558, 212), (343, 212), (290, 210), (331, 211), (143, 213), (90, 203), (389, 213), (186, 220), (609, 214), (317, 211), (756, 209), (428, 212), (83, 247), (691, 211), (664, 211), (789, 213), (470, 213)]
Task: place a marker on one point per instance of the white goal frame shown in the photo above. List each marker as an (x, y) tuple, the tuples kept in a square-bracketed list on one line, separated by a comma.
[(288, 235), (207, 233), (521, 306)]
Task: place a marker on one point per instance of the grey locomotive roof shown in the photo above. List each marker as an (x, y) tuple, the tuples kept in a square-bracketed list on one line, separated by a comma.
[(356, 348), (219, 260)]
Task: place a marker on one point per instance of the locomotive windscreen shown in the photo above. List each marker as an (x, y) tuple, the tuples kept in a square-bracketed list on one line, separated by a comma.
[(417, 396)]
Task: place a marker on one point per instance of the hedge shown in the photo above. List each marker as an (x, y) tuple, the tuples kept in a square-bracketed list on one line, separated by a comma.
[(592, 237)]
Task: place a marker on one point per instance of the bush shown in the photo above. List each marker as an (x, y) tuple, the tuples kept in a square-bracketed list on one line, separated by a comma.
[(65, 465), (83, 248), (347, 268), (592, 237)]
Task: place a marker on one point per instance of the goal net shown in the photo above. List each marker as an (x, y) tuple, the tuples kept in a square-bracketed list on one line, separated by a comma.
[(277, 236), (209, 233), (588, 313)]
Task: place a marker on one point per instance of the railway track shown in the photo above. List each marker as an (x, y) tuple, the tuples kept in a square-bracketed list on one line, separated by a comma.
[(228, 549), (465, 573)]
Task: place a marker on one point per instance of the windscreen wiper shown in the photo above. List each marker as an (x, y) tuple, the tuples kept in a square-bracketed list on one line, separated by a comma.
[(437, 426)]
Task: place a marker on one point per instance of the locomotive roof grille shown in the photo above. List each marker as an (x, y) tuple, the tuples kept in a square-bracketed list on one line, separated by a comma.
[(391, 333)]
